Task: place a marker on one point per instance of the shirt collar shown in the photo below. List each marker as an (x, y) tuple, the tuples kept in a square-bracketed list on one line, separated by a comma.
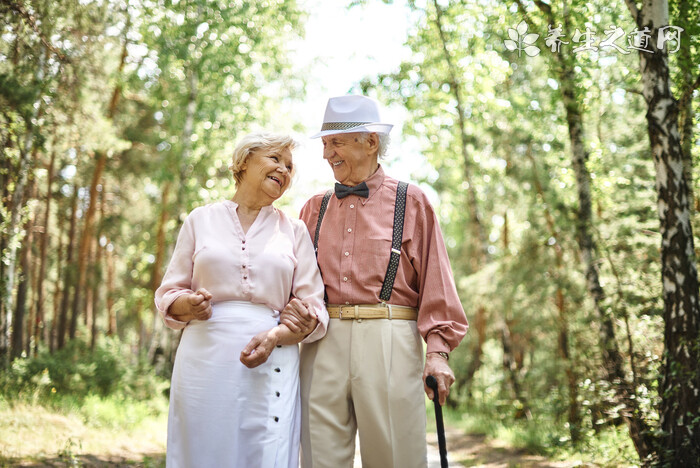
[(374, 182)]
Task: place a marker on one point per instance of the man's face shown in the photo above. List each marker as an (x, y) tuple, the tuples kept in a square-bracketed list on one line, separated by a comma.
[(352, 156)]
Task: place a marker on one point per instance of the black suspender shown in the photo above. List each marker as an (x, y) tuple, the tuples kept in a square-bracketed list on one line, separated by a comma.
[(397, 237), (322, 211)]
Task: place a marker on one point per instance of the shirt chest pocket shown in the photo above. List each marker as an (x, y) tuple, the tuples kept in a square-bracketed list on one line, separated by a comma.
[(373, 258)]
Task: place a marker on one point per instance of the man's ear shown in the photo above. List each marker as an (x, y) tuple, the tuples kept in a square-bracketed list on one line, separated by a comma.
[(373, 141)]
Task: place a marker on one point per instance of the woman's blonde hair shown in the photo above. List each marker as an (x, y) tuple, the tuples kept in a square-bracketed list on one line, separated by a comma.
[(249, 144)]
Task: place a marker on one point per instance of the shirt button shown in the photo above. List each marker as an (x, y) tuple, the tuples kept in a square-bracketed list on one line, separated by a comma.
[(276, 419), (347, 302), (347, 253), (243, 247), (243, 266), (345, 278), (349, 229), (352, 206), (245, 277), (277, 394), (277, 369), (243, 241)]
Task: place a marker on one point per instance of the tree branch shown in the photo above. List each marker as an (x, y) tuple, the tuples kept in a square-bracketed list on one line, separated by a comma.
[(523, 10), (632, 7), (19, 9), (546, 9), (689, 93)]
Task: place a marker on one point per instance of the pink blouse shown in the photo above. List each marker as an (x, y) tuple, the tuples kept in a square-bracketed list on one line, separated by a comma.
[(272, 261)]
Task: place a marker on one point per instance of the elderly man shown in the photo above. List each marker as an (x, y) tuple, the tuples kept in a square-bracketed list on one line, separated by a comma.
[(388, 282)]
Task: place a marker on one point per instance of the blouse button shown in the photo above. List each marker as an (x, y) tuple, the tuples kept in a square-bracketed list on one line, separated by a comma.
[(345, 278), (245, 277), (243, 266), (347, 302), (347, 253), (349, 229), (243, 241), (352, 206)]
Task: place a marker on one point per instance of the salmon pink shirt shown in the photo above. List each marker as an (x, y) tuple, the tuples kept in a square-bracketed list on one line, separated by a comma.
[(354, 248), (273, 260)]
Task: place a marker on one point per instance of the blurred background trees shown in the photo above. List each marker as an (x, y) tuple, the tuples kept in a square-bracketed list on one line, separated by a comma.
[(564, 167)]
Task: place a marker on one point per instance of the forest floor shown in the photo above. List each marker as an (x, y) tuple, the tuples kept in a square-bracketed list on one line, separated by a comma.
[(476, 450), (31, 436)]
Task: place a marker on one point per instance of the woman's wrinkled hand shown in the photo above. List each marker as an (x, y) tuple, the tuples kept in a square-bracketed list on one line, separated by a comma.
[(259, 348), (193, 306), (298, 317)]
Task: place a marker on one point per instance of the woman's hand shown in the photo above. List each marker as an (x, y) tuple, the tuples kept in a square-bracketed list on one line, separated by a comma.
[(298, 317), (194, 306), (259, 348)]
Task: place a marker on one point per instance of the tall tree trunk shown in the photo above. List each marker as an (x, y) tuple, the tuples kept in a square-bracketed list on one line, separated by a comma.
[(51, 331), (687, 69), (573, 414), (85, 241), (43, 246), (26, 150), (680, 383), (68, 274), (96, 273), (15, 231), (18, 328), (611, 356), (100, 163), (456, 88), (156, 343), (5, 171), (478, 231), (187, 131), (111, 316)]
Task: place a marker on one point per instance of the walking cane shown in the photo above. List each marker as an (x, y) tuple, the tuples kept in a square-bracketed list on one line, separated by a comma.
[(431, 382)]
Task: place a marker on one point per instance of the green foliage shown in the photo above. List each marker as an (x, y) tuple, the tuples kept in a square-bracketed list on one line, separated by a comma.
[(77, 373)]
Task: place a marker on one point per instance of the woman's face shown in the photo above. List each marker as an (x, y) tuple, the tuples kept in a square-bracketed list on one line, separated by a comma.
[(268, 173)]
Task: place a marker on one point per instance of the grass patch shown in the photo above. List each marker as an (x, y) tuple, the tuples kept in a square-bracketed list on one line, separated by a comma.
[(107, 428), (610, 447), (83, 407)]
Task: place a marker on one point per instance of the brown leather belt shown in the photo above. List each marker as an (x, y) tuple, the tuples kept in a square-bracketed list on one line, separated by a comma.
[(371, 311)]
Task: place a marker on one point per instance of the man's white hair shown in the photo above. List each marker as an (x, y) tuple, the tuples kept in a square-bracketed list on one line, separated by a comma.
[(384, 141)]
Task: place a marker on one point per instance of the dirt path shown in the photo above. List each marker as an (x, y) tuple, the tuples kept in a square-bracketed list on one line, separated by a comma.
[(464, 450), (470, 450)]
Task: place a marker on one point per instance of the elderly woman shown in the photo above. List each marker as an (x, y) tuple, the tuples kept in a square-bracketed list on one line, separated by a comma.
[(234, 398)]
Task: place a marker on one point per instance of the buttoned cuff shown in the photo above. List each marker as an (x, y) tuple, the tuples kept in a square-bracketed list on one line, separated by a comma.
[(321, 327), (435, 344)]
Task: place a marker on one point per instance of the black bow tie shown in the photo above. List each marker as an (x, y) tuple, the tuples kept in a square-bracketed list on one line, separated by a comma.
[(342, 191)]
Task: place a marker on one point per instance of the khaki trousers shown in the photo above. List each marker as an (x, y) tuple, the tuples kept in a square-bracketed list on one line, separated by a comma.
[(364, 375)]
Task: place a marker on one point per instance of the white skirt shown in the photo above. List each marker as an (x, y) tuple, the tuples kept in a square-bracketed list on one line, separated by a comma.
[(223, 414)]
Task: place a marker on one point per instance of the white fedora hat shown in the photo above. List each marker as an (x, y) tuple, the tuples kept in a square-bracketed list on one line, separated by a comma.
[(352, 113)]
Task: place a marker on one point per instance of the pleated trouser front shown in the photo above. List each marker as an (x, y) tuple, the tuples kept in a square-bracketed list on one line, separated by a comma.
[(364, 376)]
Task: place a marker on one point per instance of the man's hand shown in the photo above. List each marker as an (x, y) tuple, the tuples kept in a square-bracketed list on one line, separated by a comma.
[(438, 367), (259, 348), (297, 316), (194, 306)]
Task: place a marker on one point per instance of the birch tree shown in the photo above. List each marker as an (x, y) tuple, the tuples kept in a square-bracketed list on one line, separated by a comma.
[(680, 382)]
